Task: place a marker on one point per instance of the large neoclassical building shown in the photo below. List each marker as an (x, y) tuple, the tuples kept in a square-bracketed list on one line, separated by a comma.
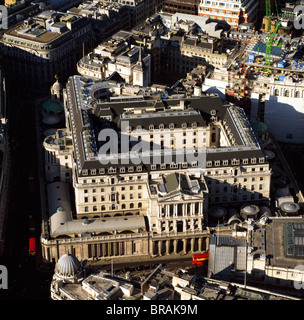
[(145, 168)]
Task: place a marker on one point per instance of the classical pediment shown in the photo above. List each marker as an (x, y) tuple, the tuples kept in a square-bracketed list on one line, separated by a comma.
[(181, 196)]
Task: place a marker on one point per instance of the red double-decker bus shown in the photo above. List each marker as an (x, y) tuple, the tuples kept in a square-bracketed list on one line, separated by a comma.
[(32, 246), (200, 259)]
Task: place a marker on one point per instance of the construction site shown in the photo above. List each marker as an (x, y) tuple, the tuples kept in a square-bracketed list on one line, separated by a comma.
[(266, 79)]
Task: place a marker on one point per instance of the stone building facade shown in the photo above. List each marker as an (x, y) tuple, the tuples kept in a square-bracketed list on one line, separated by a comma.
[(148, 191)]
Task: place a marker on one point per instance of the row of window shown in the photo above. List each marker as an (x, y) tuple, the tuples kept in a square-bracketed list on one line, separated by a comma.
[(235, 188), (94, 190), (139, 168), (252, 196), (235, 180), (218, 163), (112, 197), (124, 206)]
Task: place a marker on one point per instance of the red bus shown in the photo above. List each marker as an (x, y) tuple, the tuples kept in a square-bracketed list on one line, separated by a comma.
[(200, 259), (32, 246)]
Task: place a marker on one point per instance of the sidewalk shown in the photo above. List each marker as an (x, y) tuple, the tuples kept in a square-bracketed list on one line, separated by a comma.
[(143, 260)]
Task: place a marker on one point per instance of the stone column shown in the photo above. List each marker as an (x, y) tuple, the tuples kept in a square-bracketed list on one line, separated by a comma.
[(160, 244), (185, 246), (192, 244), (167, 247), (152, 248), (110, 248), (103, 249), (207, 243), (175, 246), (167, 211), (115, 251), (120, 253), (200, 244), (175, 210)]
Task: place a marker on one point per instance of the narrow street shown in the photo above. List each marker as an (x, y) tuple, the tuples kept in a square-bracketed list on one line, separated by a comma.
[(25, 281)]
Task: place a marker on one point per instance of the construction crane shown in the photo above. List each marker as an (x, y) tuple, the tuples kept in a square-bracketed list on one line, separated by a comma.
[(271, 35)]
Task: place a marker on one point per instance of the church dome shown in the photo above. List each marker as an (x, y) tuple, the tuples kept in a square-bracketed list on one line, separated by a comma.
[(68, 266)]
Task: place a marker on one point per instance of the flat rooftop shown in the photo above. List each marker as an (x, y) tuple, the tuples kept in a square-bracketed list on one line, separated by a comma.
[(43, 37), (275, 243)]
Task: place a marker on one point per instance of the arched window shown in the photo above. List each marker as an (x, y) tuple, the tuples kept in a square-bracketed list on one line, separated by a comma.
[(131, 205), (139, 204), (95, 208), (86, 209)]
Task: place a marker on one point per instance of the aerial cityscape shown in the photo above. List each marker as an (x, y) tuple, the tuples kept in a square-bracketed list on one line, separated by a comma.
[(152, 150)]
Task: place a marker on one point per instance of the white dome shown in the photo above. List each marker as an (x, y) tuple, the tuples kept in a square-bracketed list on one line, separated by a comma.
[(250, 210), (290, 207), (67, 266)]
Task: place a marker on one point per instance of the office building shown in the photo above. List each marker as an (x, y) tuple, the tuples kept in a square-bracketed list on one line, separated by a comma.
[(43, 46), (194, 152), (233, 12)]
